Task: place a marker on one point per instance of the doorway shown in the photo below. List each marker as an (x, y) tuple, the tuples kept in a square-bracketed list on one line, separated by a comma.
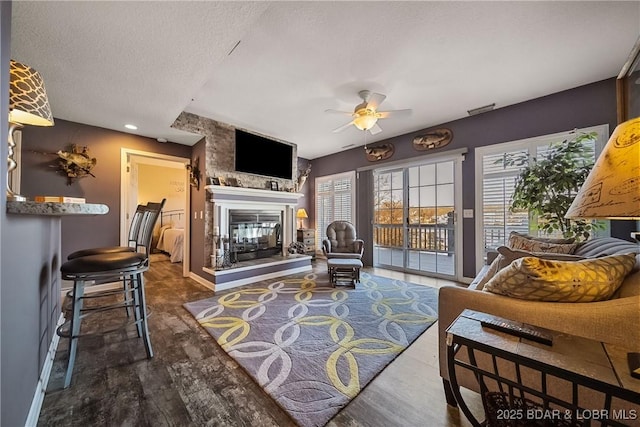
[(135, 169), (415, 218)]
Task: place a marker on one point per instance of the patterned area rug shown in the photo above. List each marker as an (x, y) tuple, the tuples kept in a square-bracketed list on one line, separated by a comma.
[(313, 347)]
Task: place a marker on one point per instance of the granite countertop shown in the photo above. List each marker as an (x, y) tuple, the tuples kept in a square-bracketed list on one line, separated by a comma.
[(55, 209)]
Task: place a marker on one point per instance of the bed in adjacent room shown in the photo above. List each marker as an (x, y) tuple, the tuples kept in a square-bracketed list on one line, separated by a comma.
[(171, 234)]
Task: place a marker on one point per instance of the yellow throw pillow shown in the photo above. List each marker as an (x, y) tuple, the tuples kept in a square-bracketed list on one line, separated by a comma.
[(539, 244), (589, 280), (507, 255)]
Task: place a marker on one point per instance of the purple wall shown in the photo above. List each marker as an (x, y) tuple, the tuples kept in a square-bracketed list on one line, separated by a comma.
[(589, 105), (40, 175)]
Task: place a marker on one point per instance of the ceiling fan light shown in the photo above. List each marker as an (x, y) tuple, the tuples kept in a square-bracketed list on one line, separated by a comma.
[(365, 122)]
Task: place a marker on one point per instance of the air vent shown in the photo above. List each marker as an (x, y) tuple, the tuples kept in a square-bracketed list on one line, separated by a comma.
[(481, 109)]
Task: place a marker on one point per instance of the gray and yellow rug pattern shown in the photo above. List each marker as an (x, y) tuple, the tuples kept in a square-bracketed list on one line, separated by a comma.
[(313, 347)]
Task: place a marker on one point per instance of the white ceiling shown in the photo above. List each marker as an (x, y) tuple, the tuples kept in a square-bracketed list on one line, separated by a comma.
[(111, 63)]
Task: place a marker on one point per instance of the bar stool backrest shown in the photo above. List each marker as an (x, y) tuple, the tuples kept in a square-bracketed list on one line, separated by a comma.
[(134, 227), (148, 221)]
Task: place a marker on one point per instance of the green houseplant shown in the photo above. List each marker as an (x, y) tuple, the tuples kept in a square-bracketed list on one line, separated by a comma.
[(548, 184)]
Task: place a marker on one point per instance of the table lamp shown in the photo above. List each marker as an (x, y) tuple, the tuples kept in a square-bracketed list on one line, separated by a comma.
[(28, 105), (612, 189), (301, 214)]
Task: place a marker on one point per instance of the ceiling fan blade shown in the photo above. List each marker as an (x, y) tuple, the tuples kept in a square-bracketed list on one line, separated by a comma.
[(374, 100), (394, 113), (375, 129), (348, 113), (343, 127)]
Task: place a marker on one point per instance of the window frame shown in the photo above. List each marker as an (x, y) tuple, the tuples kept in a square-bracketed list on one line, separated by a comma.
[(321, 228), (521, 144)]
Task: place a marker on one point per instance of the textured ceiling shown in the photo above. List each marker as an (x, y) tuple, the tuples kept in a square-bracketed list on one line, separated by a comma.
[(111, 63)]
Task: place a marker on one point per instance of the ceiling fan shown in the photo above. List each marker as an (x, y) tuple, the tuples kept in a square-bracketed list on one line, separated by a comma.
[(366, 114)]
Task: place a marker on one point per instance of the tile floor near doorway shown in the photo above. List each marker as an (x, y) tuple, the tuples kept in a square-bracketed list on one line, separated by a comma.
[(191, 381)]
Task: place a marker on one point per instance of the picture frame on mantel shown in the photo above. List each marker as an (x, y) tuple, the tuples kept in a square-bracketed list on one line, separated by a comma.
[(274, 185), (628, 86)]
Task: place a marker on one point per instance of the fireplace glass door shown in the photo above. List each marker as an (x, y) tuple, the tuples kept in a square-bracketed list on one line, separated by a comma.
[(254, 234)]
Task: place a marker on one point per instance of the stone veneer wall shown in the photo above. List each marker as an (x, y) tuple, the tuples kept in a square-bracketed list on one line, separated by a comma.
[(220, 148), (220, 162)]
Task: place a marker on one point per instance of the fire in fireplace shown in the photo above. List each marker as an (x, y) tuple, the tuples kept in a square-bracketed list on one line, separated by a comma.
[(254, 234)]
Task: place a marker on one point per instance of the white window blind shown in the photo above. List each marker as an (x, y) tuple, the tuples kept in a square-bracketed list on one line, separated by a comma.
[(335, 201), (495, 183), (497, 189)]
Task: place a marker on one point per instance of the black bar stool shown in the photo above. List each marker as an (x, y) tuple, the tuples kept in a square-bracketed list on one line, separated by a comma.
[(127, 266), (134, 231)]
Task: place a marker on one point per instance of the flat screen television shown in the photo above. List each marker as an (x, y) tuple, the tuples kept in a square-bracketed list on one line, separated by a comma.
[(263, 156)]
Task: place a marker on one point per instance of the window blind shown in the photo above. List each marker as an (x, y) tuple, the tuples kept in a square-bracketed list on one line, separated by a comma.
[(335, 201)]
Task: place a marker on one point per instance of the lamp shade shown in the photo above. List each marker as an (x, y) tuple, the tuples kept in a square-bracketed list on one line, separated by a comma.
[(612, 189), (28, 102), (301, 213)]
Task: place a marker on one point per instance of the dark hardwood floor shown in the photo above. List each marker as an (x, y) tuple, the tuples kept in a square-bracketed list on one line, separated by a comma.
[(191, 381)]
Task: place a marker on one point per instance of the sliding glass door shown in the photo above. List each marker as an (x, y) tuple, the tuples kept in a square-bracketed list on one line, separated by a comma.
[(414, 220)]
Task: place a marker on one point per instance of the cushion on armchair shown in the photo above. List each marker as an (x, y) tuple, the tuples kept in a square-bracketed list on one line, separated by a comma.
[(541, 244), (342, 241), (588, 280)]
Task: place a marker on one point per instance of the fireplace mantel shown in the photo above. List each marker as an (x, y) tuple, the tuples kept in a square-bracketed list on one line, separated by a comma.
[(222, 192), (223, 200)]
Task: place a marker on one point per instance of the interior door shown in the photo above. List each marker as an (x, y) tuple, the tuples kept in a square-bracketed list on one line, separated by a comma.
[(130, 177), (132, 190)]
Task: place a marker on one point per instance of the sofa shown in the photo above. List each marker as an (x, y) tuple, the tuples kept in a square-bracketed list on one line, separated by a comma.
[(615, 320)]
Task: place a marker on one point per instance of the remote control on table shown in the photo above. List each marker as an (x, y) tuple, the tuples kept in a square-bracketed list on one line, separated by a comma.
[(518, 329)]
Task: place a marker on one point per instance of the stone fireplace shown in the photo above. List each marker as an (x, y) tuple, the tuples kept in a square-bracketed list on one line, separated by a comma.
[(255, 194), (256, 227)]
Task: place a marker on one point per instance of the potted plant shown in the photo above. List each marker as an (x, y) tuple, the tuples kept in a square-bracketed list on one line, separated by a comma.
[(548, 184)]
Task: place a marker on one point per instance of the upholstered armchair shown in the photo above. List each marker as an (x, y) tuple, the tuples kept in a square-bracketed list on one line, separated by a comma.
[(341, 241)]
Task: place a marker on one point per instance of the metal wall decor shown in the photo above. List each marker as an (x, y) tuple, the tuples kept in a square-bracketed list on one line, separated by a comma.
[(76, 163), (436, 138), (379, 152)]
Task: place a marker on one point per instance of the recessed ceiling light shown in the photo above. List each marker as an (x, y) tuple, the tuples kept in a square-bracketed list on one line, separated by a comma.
[(132, 127)]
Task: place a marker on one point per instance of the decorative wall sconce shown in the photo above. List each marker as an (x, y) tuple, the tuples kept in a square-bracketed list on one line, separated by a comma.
[(302, 178), (28, 105), (433, 139), (194, 173), (379, 152)]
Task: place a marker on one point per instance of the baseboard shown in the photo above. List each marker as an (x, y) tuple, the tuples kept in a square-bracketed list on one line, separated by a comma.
[(41, 387), (204, 282)]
